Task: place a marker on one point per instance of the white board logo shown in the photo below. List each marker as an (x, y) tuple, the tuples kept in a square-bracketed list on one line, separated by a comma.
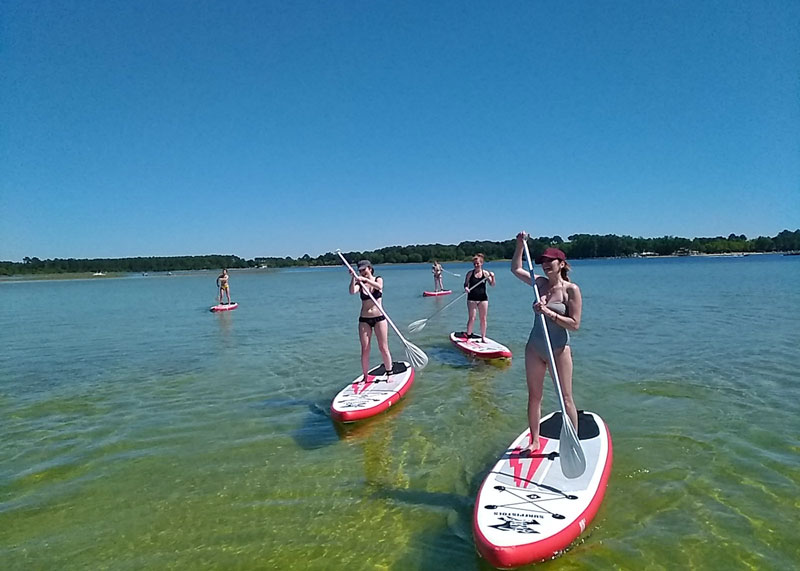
[(518, 525)]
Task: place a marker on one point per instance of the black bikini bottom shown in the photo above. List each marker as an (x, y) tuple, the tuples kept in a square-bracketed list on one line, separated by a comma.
[(371, 321)]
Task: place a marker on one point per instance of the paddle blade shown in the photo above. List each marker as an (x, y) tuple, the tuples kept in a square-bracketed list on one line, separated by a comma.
[(418, 325), (573, 462), (416, 356)]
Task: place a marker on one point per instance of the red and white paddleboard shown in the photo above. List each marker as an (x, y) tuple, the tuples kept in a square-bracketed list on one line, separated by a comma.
[(364, 398), (436, 293), (475, 348), (225, 306), (526, 509)]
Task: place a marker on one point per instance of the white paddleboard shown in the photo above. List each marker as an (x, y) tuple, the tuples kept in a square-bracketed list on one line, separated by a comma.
[(364, 398), (224, 307), (526, 509), (475, 348)]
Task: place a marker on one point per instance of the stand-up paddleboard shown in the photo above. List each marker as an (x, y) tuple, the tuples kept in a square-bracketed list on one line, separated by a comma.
[(527, 510), (475, 348), (364, 398), (436, 293), (225, 306)]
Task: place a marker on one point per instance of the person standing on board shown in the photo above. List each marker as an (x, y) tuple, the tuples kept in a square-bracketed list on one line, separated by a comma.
[(371, 317), (477, 300), (222, 284), (437, 276), (561, 304)]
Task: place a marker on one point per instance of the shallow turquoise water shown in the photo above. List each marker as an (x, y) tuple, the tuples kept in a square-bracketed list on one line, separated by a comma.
[(141, 431)]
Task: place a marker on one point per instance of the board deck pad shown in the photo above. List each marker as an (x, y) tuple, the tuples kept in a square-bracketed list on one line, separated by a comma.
[(526, 509), (473, 346), (365, 398)]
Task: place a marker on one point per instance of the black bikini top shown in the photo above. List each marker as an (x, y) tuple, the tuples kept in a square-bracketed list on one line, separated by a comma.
[(377, 294)]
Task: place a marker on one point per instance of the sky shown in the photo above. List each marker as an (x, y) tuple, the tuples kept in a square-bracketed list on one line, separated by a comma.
[(265, 128)]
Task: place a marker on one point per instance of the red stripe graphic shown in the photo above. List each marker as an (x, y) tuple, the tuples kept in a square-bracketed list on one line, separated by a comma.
[(518, 463)]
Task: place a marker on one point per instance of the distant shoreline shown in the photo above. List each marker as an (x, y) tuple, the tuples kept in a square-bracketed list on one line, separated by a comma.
[(577, 247), (20, 278)]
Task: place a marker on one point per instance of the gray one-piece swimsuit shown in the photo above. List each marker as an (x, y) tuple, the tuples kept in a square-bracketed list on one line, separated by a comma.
[(559, 337)]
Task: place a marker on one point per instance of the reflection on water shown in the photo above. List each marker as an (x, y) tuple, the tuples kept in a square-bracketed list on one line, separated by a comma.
[(225, 320)]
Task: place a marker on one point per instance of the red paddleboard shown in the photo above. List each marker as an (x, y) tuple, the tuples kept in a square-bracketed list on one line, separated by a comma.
[(367, 397), (526, 509), (436, 293), (225, 307), (475, 348)]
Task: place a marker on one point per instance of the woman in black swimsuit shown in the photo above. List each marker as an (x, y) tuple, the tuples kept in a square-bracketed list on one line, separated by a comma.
[(477, 300), (371, 317)]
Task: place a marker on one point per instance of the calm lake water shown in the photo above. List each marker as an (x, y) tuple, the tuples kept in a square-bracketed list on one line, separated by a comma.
[(140, 431)]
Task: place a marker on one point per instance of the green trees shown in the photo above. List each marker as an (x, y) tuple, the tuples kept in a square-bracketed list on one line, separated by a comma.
[(127, 265), (577, 246), (787, 241)]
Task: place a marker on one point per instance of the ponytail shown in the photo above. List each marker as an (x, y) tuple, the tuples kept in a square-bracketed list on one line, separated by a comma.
[(565, 271)]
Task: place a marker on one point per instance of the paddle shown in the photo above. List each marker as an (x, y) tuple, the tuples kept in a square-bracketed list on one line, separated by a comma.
[(416, 356), (573, 462), (452, 273), (419, 324)]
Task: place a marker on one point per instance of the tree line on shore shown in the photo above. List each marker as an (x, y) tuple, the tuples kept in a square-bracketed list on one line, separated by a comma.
[(577, 246)]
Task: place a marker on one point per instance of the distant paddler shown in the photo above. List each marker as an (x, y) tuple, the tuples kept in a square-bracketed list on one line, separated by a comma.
[(224, 286), (437, 276)]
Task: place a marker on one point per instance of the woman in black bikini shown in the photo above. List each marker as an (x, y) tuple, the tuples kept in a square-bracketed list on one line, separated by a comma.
[(371, 317), (477, 300)]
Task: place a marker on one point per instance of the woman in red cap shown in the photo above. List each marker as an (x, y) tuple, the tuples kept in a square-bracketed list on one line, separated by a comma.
[(560, 302)]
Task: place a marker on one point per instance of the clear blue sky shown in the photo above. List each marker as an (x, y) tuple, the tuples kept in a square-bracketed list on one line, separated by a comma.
[(270, 128)]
